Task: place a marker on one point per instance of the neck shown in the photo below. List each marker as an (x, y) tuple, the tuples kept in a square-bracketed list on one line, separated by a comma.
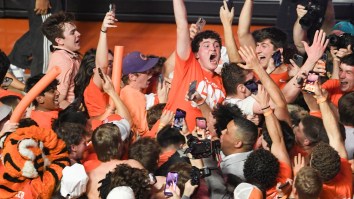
[(135, 86), (237, 95)]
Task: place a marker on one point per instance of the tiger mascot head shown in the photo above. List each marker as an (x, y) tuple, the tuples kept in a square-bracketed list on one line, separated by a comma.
[(33, 159)]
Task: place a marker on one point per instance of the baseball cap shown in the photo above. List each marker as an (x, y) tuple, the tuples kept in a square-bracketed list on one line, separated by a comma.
[(247, 191), (4, 111), (74, 181), (344, 26), (135, 62), (121, 123), (121, 192)]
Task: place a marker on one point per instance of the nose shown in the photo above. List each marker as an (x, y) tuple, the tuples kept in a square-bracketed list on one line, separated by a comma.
[(258, 49), (56, 92), (78, 33), (341, 75)]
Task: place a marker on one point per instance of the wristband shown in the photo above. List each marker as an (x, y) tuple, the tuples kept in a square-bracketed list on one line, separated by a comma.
[(268, 113), (265, 108), (104, 31), (321, 100)]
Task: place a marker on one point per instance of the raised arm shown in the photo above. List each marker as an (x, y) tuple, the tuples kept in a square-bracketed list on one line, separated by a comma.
[(244, 25), (102, 48), (227, 17), (330, 122), (183, 39), (299, 34)]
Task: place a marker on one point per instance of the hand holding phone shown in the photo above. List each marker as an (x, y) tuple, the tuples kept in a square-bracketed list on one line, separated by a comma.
[(201, 125), (171, 181), (112, 8), (179, 118), (192, 88), (277, 58), (200, 23), (298, 59), (309, 82), (252, 86)]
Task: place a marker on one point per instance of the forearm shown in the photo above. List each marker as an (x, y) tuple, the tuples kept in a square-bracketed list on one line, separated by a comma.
[(15, 83), (244, 24), (299, 35), (329, 19), (335, 72), (169, 64), (121, 109), (102, 51), (183, 39), (230, 44)]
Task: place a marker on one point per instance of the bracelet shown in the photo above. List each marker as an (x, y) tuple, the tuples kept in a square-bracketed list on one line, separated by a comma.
[(321, 100), (104, 31), (268, 113), (265, 108)]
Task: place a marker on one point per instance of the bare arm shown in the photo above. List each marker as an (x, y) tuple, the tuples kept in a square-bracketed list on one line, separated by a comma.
[(299, 34), (15, 82), (227, 17), (330, 122), (183, 40), (244, 25), (329, 19)]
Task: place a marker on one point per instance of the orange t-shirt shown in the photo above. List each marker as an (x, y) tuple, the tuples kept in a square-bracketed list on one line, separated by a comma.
[(285, 172), (163, 158), (334, 92), (135, 102), (95, 100), (341, 185), (209, 86), (44, 119), (280, 79)]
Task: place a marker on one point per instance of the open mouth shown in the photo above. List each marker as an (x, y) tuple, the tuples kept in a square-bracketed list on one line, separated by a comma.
[(213, 58), (343, 83)]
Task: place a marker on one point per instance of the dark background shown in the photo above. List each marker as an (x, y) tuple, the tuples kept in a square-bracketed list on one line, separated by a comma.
[(265, 11)]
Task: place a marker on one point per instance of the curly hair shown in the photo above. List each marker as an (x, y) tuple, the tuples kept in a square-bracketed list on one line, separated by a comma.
[(147, 152), (325, 160), (276, 36), (346, 109), (223, 114), (308, 183), (71, 134), (288, 134), (154, 113), (124, 175), (53, 26), (208, 34), (261, 167), (232, 75)]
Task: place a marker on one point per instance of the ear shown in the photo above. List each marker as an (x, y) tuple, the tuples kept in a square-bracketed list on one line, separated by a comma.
[(196, 55), (281, 50), (40, 99), (132, 77), (59, 41), (238, 144), (240, 88), (73, 148), (307, 142)]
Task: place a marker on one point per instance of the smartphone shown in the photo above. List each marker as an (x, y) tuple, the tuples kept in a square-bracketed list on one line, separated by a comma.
[(277, 58), (101, 74), (322, 62), (252, 86), (284, 185), (112, 7), (201, 124), (192, 88), (310, 81), (152, 178), (179, 118), (171, 181), (6, 83), (298, 59), (230, 4), (200, 23)]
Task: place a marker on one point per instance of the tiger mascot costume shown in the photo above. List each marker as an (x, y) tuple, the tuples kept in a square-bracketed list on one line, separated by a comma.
[(33, 159)]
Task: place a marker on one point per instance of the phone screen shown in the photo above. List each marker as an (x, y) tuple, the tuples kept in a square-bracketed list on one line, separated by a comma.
[(252, 86), (201, 124), (171, 181), (112, 7), (200, 23), (309, 83), (179, 118), (192, 88), (277, 58)]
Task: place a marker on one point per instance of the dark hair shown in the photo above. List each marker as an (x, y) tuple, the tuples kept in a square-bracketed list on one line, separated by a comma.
[(247, 131), (154, 113), (325, 160), (314, 129), (348, 59), (53, 26), (70, 115), (83, 77), (288, 135), (346, 109), (308, 183), (223, 114), (276, 36), (34, 80), (168, 136), (124, 175), (26, 122), (208, 34), (261, 167), (147, 152), (232, 75), (184, 173), (71, 134), (107, 142), (4, 65)]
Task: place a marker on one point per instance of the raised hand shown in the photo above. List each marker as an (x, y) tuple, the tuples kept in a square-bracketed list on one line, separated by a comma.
[(300, 10), (108, 21), (299, 162), (226, 15), (250, 57), (41, 7), (319, 44)]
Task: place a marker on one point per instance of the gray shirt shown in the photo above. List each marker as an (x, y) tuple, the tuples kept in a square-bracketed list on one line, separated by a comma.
[(233, 164)]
